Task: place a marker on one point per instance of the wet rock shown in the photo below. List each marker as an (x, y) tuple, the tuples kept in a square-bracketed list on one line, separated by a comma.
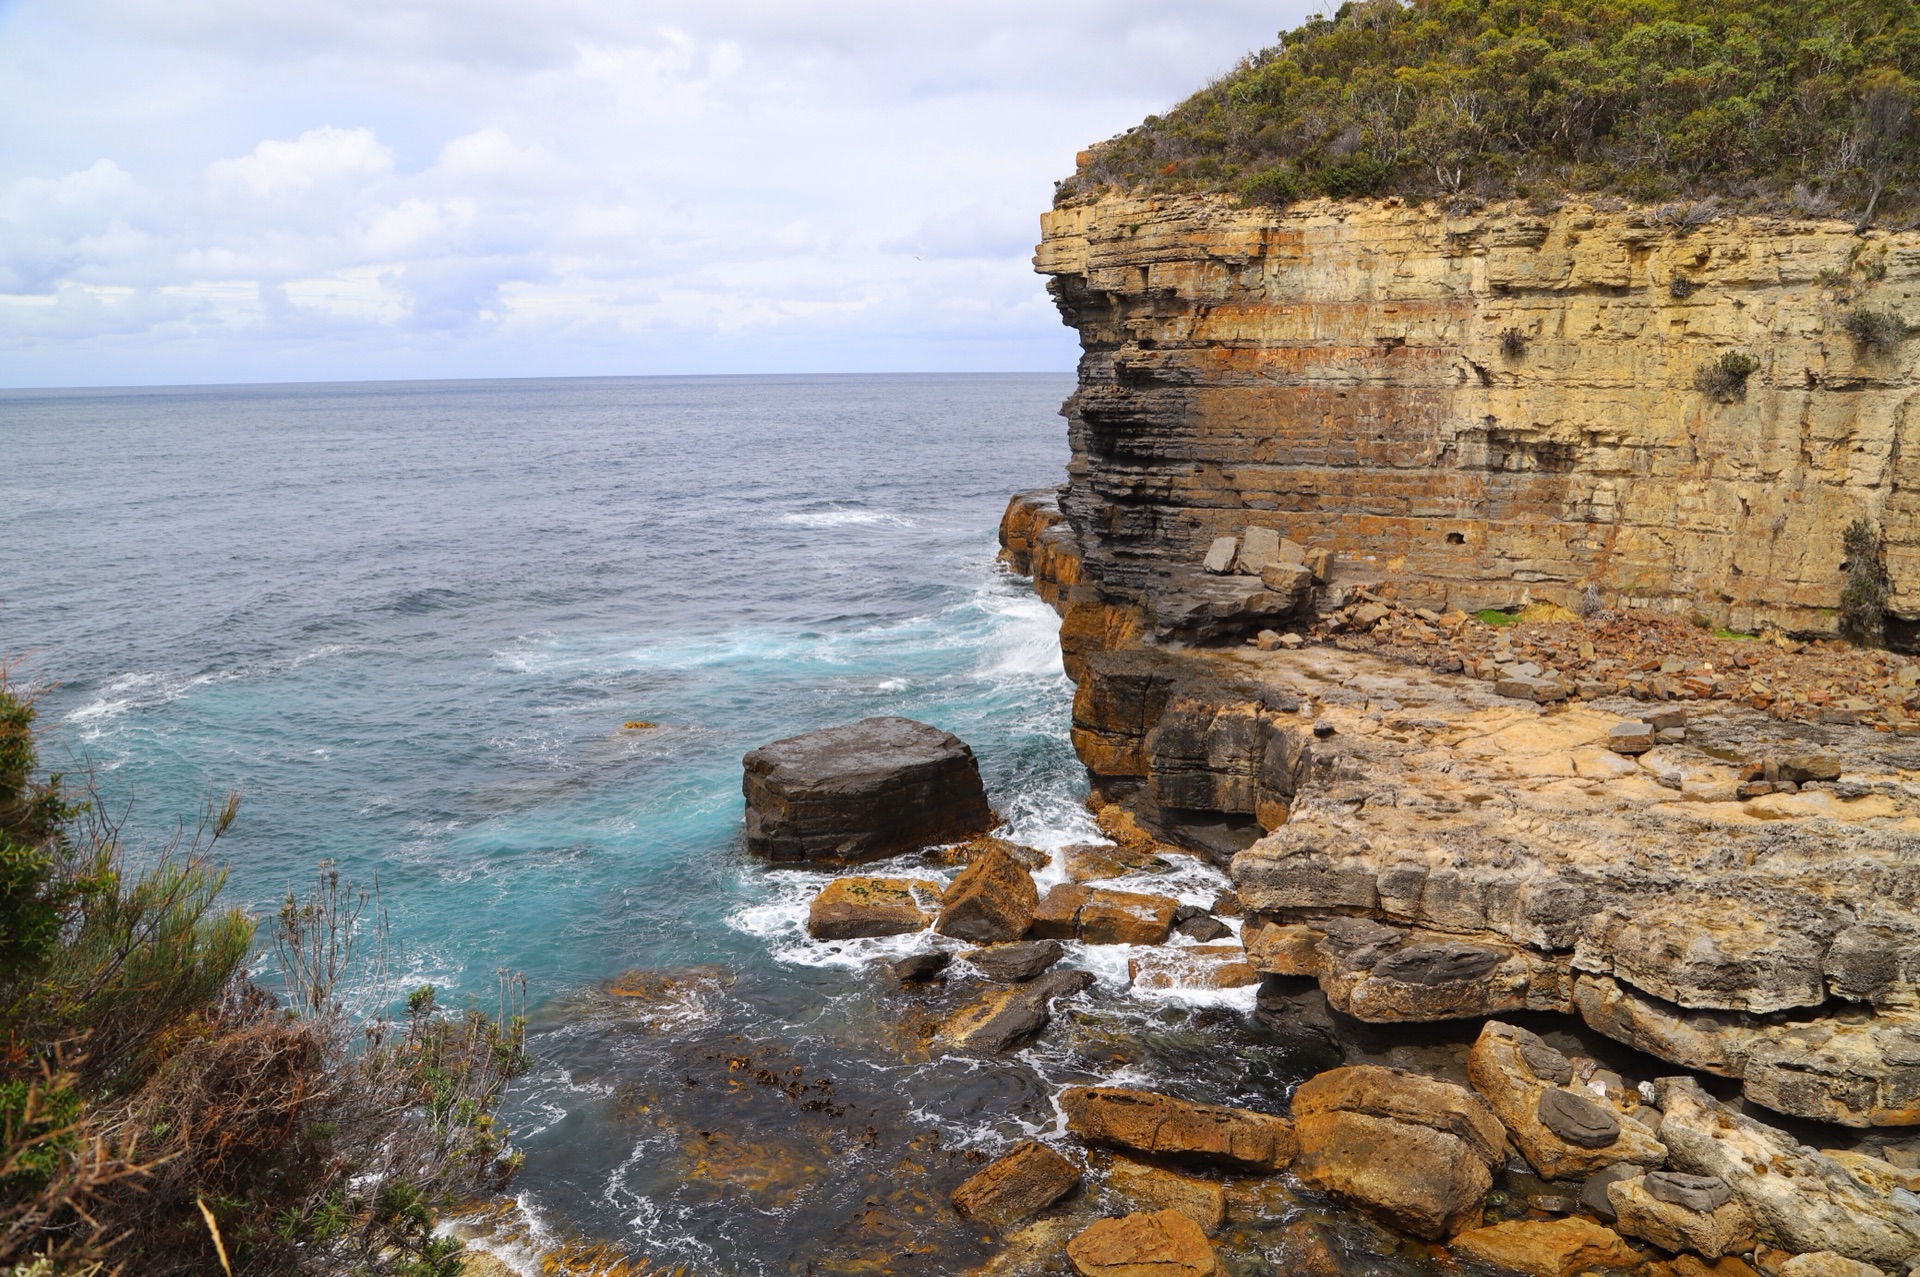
[(1203, 927), (1087, 863), (1548, 1248), (964, 853), (918, 968), (1220, 966), (992, 899), (1148, 1244), (1008, 1019), (1682, 1212), (1801, 1198), (1031, 1251), (1057, 915), (1015, 962), (1304, 1251), (1125, 917), (1026, 1180), (1825, 1263), (1525, 1101), (1148, 1122), (1152, 1188), (862, 790), (850, 908), (1415, 1152)]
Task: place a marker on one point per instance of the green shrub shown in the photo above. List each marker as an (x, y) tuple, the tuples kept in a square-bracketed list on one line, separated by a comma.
[(1863, 599), (1807, 106), (1725, 379), (1876, 331), (1277, 187)]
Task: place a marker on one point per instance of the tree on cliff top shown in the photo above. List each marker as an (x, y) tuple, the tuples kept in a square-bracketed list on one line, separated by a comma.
[(1808, 102)]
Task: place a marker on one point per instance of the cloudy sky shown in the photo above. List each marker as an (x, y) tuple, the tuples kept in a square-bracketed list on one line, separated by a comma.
[(265, 190)]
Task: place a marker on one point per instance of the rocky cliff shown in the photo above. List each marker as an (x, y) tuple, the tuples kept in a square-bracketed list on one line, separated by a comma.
[(1491, 408)]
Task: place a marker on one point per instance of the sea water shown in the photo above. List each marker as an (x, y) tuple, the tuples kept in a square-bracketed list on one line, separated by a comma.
[(411, 622)]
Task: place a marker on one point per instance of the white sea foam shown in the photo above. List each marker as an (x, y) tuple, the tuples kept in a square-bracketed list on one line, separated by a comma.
[(845, 519), (781, 924)]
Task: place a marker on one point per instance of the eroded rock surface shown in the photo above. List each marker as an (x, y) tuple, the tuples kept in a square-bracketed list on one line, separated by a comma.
[(1148, 1122)]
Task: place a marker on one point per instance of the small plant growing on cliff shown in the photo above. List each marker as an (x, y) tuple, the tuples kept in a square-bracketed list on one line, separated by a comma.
[(1513, 343), (1876, 331), (1680, 288), (1863, 600), (1725, 379), (1277, 187)]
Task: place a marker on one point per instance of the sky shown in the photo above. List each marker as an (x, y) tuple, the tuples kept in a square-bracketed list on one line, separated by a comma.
[(197, 191)]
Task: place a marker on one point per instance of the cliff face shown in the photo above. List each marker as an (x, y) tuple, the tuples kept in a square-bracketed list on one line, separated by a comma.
[(1489, 409)]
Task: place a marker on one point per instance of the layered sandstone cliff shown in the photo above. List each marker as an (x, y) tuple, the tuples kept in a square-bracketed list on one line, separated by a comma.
[(1489, 408)]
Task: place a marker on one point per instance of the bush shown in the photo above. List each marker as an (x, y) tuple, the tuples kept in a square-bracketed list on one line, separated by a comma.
[(1876, 331), (1276, 187), (1513, 343), (1863, 599), (151, 1093), (1808, 106), (1725, 379)]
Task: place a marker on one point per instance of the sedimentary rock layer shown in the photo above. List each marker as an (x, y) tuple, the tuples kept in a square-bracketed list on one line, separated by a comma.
[(1488, 407)]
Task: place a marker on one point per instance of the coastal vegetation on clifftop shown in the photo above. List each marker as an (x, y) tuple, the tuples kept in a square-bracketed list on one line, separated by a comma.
[(162, 1113), (1809, 107)]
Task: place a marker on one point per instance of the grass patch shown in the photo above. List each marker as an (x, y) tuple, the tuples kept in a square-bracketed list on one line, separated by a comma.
[(1495, 617)]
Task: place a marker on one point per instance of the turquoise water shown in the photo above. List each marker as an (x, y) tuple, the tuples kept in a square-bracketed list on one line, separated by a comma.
[(409, 621)]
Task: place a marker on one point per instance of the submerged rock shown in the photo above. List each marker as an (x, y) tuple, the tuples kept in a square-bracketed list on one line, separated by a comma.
[(862, 790), (1024, 1181), (1145, 1187), (1016, 962), (1149, 1244), (1009, 1018), (1148, 1122)]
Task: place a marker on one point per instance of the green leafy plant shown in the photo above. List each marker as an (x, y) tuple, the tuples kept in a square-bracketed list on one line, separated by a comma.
[(1808, 108), (1863, 599), (1876, 331), (1276, 187), (1725, 379)]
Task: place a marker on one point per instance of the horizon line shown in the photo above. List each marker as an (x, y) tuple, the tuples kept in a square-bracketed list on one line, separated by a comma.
[(448, 381)]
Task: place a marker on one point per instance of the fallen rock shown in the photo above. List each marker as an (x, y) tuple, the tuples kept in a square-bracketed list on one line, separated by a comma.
[(917, 968), (1630, 738), (1008, 1019), (1057, 915), (849, 908), (1125, 917), (1200, 925), (1415, 1152), (1220, 555), (1015, 962), (1528, 687), (1085, 862), (1675, 1211), (862, 790), (1260, 547), (1026, 1180), (1812, 765), (992, 899), (1149, 1244), (1824, 1263), (1148, 1122), (1548, 1247), (1593, 1193), (1563, 1133), (1216, 966), (1152, 1188), (1802, 1199)]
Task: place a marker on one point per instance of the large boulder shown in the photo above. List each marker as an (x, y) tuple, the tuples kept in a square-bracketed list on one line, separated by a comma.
[(849, 908), (1677, 1211), (1416, 1152), (1016, 962), (862, 790), (1548, 1247), (992, 900), (1563, 1131), (1025, 1181), (1149, 1244), (1802, 1199), (1147, 1122)]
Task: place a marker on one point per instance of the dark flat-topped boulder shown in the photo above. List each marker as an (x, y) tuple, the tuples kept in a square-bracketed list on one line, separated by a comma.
[(863, 790)]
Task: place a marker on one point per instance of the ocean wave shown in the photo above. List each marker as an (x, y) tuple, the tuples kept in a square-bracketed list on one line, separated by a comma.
[(845, 519)]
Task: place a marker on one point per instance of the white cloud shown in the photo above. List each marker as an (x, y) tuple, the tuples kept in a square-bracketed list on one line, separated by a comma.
[(319, 156), (486, 187)]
